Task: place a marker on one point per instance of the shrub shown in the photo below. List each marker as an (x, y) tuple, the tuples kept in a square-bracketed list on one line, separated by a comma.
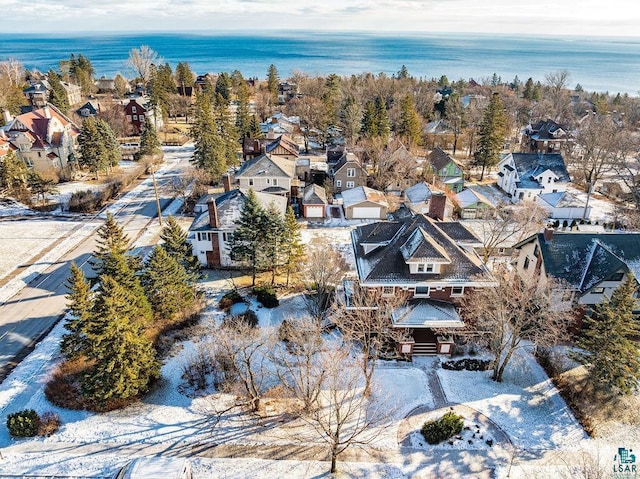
[(24, 423), (49, 424), (229, 299), (249, 317), (266, 295), (84, 202), (442, 429), (467, 364)]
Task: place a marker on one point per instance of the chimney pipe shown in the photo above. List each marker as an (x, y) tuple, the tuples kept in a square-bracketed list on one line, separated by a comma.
[(213, 213), (226, 182), (437, 206), (46, 111), (7, 116)]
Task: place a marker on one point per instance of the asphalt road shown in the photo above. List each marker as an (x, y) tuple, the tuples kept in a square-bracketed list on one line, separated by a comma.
[(31, 313)]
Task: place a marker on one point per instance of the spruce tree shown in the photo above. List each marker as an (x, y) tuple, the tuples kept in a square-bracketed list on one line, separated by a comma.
[(273, 82), (167, 285), (243, 115), (527, 94), (254, 128), (112, 241), (176, 244), (274, 231), (491, 133), (124, 359), (57, 94), (382, 120), (409, 128), (369, 121), (80, 302), (14, 174), (292, 246), (210, 153), (93, 151), (609, 341), (247, 242), (149, 142), (108, 138)]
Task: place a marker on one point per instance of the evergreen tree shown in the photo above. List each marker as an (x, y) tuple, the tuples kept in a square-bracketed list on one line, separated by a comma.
[(527, 94), (331, 98), (57, 95), (292, 246), (112, 241), (81, 73), (149, 142), (184, 75), (247, 242), (14, 174), (162, 88), (175, 243), (254, 128), (210, 153), (369, 122), (243, 115), (125, 364), (167, 285), (41, 187), (409, 128), (92, 149), (223, 89), (609, 340), (273, 82), (113, 154), (382, 120), (403, 74), (80, 303), (491, 135), (227, 133), (274, 230)]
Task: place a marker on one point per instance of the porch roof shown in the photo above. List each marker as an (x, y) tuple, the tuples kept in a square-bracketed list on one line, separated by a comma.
[(426, 313)]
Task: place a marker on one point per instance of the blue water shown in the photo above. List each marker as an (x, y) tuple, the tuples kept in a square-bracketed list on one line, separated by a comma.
[(598, 64)]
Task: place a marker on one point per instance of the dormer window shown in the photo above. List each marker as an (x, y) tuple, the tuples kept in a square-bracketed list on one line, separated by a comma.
[(425, 268)]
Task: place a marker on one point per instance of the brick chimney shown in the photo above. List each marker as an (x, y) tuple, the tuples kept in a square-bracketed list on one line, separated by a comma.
[(46, 111), (437, 206), (7, 116), (213, 213), (226, 182), (548, 234)]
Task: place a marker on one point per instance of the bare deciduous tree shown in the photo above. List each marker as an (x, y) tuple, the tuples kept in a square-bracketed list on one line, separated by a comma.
[(367, 323), (518, 312), (141, 61), (323, 269), (239, 358), (346, 416)]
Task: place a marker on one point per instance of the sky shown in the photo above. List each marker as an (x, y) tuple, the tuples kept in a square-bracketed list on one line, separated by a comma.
[(540, 17)]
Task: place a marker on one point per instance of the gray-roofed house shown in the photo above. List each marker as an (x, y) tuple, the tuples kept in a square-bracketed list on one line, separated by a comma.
[(364, 203), (448, 170), (266, 173), (347, 173), (523, 176), (473, 203), (546, 136), (314, 202), (592, 264), (417, 197), (433, 262), (90, 108), (210, 232), (564, 205)]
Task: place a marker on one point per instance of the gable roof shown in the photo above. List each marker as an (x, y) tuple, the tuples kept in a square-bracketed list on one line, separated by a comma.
[(418, 193), (267, 166), (562, 199), (470, 196), (546, 130), (530, 165), (418, 235), (38, 122), (347, 158), (360, 194), (439, 159), (314, 195), (584, 259)]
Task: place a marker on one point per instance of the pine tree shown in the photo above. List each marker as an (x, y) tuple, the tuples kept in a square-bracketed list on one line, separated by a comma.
[(273, 82), (409, 128), (227, 133), (210, 153), (382, 120), (609, 341), (14, 174), (274, 231), (243, 116), (93, 153), (247, 242), (184, 75), (527, 94), (57, 95), (112, 242), (491, 135), (149, 142), (167, 285), (254, 128), (292, 246), (80, 303), (369, 121), (175, 243), (124, 359), (223, 89), (162, 88), (113, 154)]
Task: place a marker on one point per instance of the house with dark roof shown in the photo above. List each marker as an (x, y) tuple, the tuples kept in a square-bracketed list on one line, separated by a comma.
[(524, 176), (546, 136), (90, 108), (136, 111), (273, 145), (592, 264), (210, 233), (432, 262), (347, 173), (44, 138), (448, 170)]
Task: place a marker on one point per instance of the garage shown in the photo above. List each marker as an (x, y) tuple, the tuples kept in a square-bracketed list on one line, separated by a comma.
[(314, 211), (366, 212)]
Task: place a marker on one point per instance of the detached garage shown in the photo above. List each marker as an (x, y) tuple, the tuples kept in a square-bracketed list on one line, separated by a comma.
[(364, 203), (314, 202)]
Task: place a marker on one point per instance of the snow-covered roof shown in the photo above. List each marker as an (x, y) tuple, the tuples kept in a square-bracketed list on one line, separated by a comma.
[(418, 193), (427, 313), (361, 194)]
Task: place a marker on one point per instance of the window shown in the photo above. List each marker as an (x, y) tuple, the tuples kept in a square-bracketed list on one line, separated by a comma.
[(338, 183), (549, 180), (268, 181), (526, 263), (429, 268), (422, 291), (250, 181), (597, 291), (135, 117), (351, 172), (275, 182), (536, 251), (133, 109), (351, 184), (421, 268), (226, 237), (521, 195), (141, 117), (387, 290), (617, 277), (457, 290)]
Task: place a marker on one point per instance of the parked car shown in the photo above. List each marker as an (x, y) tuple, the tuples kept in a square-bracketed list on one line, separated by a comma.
[(155, 468)]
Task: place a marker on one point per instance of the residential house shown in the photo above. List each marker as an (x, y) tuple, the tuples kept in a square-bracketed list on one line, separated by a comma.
[(90, 108), (37, 93), (364, 203), (546, 136), (423, 199), (314, 202), (524, 176), (211, 231), (269, 174), (105, 85), (286, 92), (136, 111), (44, 138), (474, 203), (335, 153), (433, 263), (347, 173), (593, 265), (564, 205), (449, 171), (274, 145), (73, 91)]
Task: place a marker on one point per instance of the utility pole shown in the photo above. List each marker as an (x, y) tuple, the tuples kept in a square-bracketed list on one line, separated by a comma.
[(155, 189)]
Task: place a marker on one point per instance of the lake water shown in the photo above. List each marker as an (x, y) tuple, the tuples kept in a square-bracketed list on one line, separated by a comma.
[(598, 64)]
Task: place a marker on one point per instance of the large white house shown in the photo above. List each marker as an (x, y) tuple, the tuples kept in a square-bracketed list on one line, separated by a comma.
[(524, 176)]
